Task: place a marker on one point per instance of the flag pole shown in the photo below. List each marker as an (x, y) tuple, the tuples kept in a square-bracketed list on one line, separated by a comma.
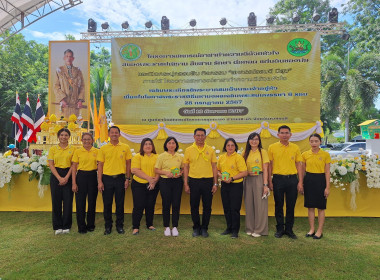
[(27, 143), (16, 124)]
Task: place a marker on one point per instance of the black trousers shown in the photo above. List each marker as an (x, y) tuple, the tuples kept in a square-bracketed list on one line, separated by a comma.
[(143, 199), (171, 193), (285, 186), (113, 186), (200, 188), (87, 189), (62, 201), (232, 196)]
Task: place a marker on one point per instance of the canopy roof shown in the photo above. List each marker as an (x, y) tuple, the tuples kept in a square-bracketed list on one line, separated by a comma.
[(15, 15), (14, 11)]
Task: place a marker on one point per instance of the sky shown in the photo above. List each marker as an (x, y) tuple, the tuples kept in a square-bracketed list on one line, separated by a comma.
[(207, 13)]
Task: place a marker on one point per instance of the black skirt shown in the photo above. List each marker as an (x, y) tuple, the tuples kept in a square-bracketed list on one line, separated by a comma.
[(314, 190)]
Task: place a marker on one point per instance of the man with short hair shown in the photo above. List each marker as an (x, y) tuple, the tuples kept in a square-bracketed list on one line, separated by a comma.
[(114, 169), (200, 180), (69, 86), (285, 163)]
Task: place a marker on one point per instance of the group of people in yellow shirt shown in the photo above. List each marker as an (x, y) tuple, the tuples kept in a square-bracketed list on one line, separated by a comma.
[(87, 171)]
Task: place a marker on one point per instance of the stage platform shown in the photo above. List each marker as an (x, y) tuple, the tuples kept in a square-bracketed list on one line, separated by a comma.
[(24, 197)]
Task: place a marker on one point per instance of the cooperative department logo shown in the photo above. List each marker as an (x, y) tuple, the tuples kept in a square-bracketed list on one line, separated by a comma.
[(130, 52), (299, 47)]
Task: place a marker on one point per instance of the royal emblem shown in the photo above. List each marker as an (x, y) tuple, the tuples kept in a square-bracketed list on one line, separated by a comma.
[(299, 47), (130, 52)]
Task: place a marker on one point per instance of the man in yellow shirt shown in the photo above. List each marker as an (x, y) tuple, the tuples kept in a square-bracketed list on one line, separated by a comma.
[(285, 163), (200, 180), (114, 168)]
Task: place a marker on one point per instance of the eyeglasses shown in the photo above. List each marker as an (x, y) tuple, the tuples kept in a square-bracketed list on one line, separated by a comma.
[(202, 135)]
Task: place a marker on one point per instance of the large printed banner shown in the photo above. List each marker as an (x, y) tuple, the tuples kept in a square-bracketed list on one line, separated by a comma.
[(228, 79)]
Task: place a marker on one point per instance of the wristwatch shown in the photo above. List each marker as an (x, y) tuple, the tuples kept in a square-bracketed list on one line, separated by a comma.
[(232, 179), (215, 185), (265, 185)]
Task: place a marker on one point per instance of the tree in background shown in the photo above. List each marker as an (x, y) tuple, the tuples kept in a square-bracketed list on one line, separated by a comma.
[(365, 29), (24, 68), (101, 82), (100, 76), (283, 10), (345, 87)]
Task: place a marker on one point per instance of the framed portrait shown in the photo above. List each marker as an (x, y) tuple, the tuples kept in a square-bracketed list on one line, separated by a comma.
[(69, 78)]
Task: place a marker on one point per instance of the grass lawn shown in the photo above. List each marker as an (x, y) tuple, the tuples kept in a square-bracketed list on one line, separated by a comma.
[(350, 249)]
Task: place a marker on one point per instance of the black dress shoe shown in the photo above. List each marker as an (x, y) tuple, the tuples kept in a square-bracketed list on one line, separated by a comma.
[(82, 231), (196, 232), (310, 235), (279, 233), (204, 232), (234, 235), (291, 234), (90, 229), (318, 237), (226, 232), (120, 230), (107, 231)]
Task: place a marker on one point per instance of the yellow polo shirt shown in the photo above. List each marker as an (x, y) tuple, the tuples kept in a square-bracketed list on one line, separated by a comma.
[(166, 162), (114, 158), (145, 164), (86, 159), (284, 158), (316, 162), (254, 159), (61, 157), (233, 164), (199, 166)]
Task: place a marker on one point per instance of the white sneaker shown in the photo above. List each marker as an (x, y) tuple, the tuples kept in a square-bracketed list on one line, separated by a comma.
[(58, 231), (249, 233), (167, 232), (256, 235), (65, 231), (175, 231)]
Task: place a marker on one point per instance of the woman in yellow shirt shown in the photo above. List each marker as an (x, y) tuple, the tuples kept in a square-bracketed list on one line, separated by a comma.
[(256, 188), (231, 170), (85, 183), (169, 165), (316, 184), (59, 159), (144, 185)]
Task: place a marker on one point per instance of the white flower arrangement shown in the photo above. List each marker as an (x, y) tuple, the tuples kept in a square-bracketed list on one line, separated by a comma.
[(371, 168), (344, 170), (6, 164), (36, 167)]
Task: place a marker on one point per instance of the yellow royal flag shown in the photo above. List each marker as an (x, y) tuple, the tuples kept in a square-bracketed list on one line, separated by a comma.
[(96, 121), (103, 121)]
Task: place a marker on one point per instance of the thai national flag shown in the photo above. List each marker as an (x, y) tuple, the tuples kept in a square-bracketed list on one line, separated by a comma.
[(17, 125), (27, 120), (38, 120)]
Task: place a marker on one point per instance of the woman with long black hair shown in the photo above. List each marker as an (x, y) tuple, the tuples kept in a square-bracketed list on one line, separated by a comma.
[(256, 187)]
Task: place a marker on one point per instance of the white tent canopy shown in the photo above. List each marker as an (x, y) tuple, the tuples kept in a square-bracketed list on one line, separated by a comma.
[(15, 15)]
